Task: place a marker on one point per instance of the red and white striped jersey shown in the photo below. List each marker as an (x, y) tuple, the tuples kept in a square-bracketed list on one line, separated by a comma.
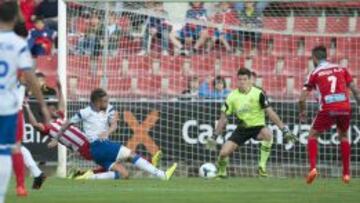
[(72, 138)]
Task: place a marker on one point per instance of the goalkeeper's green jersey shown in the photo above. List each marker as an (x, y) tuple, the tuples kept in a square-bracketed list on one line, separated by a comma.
[(247, 107)]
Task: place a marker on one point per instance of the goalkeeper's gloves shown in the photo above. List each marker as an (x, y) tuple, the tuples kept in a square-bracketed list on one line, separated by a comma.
[(211, 142), (289, 136)]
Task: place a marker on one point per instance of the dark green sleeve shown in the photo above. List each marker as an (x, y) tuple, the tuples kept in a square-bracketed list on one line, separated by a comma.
[(264, 101)]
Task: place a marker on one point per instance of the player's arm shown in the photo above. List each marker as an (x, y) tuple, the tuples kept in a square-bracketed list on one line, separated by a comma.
[(355, 92), (302, 103), (35, 89), (274, 117), (221, 124), (78, 117), (60, 98), (38, 126), (53, 143), (113, 126)]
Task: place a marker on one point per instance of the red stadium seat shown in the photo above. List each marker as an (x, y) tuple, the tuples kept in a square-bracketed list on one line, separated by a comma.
[(148, 86), (78, 65), (119, 86), (175, 85), (171, 65), (139, 65), (284, 45), (347, 46), (263, 65), (86, 84), (294, 66), (229, 65), (337, 24), (357, 29), (47, 64), (202, 65), (274, 23), (306, 24), (274, 85)]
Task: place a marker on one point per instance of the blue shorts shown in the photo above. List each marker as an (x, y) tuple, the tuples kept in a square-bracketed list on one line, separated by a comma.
[(8, 126), (104, 153)]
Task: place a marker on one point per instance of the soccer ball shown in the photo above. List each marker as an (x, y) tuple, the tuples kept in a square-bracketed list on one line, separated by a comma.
[(207, 170)]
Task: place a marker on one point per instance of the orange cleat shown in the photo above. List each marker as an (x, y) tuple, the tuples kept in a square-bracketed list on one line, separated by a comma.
[(346, 179), (311, 176), (21, 191)]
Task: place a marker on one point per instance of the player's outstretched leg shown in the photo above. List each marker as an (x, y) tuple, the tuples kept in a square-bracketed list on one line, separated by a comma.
[(39, 176), (144, 165), (90, 175), (312, 154), (345, 155)]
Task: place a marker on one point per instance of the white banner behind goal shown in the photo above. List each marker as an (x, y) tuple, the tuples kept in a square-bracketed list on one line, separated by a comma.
[(168, 66)]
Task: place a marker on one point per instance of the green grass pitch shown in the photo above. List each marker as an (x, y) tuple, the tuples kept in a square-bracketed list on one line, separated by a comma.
[(192, 190)]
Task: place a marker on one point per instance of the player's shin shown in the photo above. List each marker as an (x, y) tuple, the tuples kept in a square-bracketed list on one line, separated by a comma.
[(5, 174), (312, 151), (265, 150), (148, 167), (111, 175), (19, 168), (30, 162), (345, 155)]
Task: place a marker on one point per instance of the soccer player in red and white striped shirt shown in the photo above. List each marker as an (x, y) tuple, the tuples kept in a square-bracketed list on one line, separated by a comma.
[(333, 83), (73, 138)]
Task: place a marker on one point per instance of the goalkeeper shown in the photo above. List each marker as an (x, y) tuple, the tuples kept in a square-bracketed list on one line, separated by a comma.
[(249, 104)]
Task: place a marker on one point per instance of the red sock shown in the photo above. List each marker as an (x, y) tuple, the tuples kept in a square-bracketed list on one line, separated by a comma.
[(19, 169), (312, 151), (345, 155)]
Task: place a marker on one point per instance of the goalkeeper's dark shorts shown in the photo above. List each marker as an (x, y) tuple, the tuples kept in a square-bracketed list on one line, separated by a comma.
[(241, 135)]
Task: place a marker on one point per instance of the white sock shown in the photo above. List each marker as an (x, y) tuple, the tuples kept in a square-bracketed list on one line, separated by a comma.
[(5, 174), (30, 163), (106, 176), (148, 167)]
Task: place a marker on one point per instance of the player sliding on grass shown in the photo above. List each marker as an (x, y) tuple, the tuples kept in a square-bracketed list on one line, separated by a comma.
[(249, 104), (333, 83), (72, 138), (99, 121)]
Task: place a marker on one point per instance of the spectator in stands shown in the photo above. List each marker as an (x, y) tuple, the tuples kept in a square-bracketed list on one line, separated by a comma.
[(191, 32), (226, 17), (250, 14), (156, 26), (114, 33), (192, 92), (90, 41), (219, 90), (48, 9), (41, 38), (46, 90)]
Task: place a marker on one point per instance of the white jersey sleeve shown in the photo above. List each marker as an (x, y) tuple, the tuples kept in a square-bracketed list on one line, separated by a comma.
[(14, 56)]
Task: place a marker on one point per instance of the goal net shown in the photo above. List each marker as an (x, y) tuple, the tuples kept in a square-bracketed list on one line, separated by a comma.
[(168, 66)]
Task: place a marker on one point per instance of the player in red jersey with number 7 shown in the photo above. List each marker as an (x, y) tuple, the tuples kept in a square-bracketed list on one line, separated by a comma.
[(333, 83)]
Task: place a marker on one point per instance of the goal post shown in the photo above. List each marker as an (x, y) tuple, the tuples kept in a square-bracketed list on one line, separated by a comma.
[(164, 73)]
